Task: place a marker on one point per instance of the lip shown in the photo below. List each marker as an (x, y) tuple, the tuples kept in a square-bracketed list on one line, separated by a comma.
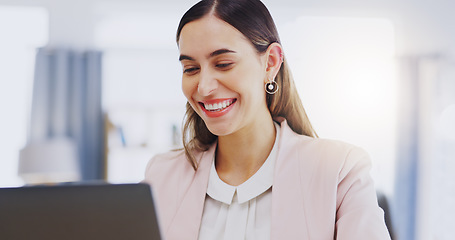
[(215, 114)]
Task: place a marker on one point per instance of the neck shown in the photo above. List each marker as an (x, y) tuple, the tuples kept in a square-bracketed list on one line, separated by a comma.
[(240, 155)]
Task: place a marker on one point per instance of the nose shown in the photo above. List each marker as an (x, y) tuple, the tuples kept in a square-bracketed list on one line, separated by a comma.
[(207, 83)]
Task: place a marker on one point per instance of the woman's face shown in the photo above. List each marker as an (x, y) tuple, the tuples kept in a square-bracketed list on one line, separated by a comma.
[(223, 76)]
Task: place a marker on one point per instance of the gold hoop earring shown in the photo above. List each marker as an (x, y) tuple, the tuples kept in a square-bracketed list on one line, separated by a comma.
[(271, 87)]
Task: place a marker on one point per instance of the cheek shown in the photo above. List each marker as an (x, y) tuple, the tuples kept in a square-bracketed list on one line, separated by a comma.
[(188, 88), (250, 80)]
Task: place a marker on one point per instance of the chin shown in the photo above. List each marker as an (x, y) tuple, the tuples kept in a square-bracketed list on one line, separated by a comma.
[(219, 130)]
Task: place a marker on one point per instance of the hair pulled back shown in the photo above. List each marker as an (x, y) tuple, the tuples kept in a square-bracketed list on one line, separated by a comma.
[(254, 21)]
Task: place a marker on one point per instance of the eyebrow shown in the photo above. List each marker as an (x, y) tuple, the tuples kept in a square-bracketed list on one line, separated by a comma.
[(221, 51), (213, 54), (185, 57)]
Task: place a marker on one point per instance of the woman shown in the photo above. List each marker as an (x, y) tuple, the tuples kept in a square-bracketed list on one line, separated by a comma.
[(252, 167)]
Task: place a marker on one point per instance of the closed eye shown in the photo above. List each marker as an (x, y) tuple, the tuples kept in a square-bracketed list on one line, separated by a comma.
[(190, 70), (224, 65)]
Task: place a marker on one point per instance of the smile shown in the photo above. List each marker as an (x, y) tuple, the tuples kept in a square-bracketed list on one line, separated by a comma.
[(215, 107)]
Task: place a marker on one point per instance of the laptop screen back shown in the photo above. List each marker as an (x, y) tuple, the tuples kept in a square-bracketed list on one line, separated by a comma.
[(97, 211)]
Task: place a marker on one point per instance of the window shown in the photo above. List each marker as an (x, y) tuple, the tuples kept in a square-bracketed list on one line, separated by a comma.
[(344, 71)]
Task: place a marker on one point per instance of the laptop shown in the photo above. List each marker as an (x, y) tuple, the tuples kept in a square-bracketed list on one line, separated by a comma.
[(82, 212)]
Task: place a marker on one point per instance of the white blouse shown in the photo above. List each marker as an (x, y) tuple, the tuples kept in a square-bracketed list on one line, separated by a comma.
[(240, 212)]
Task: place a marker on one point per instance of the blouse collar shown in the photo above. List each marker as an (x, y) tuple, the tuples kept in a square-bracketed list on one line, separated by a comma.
[(257, 184)]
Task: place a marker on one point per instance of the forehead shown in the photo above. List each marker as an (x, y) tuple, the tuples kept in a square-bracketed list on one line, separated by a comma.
[(209, 34)]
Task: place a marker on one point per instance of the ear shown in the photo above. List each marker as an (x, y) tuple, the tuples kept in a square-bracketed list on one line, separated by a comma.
[(274, 59)]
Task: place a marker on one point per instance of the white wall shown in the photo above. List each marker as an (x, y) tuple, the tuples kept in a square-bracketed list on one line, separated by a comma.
[(17, 49), (423, 27)]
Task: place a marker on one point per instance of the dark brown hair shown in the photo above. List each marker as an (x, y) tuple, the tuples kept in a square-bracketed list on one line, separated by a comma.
[(254, 21)]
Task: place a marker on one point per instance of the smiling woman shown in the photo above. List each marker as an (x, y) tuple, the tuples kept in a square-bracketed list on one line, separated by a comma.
[(224, 68), (251, 167)]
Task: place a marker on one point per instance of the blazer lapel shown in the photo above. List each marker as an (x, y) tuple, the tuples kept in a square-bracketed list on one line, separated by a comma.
[(187, 220), (288, 214)]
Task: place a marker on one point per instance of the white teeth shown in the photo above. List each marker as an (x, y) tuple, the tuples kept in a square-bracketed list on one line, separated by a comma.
[(218, 106)]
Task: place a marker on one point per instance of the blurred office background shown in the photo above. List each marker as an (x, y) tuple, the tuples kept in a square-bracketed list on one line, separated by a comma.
[(90, 90)]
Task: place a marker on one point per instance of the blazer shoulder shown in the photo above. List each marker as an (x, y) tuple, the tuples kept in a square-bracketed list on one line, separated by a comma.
[(345, 155), (331, 149), (166, 159), (161, 165), (328, 144), (332, 157)]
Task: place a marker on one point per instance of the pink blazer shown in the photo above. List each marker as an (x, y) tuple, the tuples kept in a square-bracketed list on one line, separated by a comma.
[(322, 190)]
